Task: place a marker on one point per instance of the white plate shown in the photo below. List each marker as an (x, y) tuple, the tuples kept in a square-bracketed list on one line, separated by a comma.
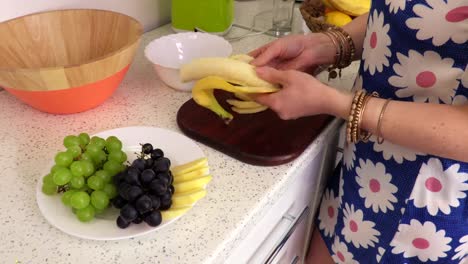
[(177, 147)]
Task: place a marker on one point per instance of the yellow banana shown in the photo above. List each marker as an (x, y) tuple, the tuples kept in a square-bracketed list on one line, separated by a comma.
[(233, 74), (229, 69), (351, 7), (327, 3), (203, 93)]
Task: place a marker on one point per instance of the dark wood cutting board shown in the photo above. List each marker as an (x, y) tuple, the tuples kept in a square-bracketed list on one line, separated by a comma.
[(260, 139)]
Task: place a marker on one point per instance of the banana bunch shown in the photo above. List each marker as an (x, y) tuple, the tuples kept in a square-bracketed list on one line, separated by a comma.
[(341, 12), (233, 74), (349, 7), (190, 180)]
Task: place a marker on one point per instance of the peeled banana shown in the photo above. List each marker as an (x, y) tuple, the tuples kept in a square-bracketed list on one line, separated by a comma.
[(233, 74), (243, 104), (252, 110), (243, 96)]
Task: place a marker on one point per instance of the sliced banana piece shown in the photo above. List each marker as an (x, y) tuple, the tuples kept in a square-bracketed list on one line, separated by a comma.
[(189, 166), (174, 212), (243, 96), (192, 185), (187, 199), (228, 69), (243, 104), (191, 175), (252, 110)]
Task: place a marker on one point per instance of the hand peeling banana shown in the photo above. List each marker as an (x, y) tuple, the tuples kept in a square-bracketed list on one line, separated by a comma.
[(230, 69), (242, 57), (204, 96), (233, 74)]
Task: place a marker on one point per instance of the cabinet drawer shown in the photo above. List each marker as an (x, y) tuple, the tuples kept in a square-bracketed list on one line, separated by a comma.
[(290, 249)]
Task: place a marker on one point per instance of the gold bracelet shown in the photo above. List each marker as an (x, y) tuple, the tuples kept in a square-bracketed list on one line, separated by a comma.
[(350, 128), (348, 40), (380, 139), (351, 115), (356, 133), (365, 134), (337, 47)]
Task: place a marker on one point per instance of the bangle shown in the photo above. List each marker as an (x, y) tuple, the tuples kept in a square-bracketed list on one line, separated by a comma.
[(345, 50), (337, 47), (380, 140), (365, 135), (351, 116), (354, 133)]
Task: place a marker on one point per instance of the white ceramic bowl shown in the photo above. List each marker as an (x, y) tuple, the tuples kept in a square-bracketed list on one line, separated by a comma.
[(170, 52)]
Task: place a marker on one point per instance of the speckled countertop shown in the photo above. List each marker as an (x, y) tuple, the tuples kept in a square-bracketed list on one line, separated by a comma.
[(237, 198)]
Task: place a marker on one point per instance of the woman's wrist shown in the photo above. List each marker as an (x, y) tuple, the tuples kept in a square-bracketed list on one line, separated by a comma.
[(337, 103), (326, 49)]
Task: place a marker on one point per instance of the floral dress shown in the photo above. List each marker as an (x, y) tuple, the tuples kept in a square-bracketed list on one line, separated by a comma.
[(387, 203)]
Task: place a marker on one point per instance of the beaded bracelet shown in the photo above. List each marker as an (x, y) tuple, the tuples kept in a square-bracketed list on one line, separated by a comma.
[(345, 50), (354, 133)]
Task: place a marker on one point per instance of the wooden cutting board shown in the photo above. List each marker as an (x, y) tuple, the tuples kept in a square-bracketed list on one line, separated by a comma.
[(260, 139)]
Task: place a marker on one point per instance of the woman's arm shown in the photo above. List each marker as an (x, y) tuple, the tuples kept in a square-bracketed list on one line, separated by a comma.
[(357, 30), (306, 52), (441, 130)]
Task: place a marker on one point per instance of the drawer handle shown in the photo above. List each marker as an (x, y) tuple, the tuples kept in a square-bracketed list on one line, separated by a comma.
[(295, 222), (295, 260)]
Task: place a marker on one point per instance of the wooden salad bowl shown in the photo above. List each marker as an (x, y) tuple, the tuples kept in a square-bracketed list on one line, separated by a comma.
[(66, 61)]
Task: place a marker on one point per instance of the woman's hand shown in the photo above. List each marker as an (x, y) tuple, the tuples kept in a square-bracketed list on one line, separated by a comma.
[(296, 52), (301, 95)]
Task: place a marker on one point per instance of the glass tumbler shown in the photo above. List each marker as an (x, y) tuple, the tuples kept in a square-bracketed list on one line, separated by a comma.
[(282, 17)]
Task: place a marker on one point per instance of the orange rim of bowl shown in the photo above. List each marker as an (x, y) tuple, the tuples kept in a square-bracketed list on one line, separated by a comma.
[(65, 101)]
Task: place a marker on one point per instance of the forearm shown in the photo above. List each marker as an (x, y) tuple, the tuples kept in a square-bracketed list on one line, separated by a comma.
[(435, 129), (357, 30)]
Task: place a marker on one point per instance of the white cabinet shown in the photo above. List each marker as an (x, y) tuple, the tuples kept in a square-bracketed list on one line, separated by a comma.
[(283, 234)]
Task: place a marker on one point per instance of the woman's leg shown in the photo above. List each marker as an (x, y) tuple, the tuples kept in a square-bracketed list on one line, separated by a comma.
[(318, 251)]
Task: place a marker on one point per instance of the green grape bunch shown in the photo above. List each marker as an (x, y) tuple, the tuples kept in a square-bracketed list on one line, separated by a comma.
[(83, 174)]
